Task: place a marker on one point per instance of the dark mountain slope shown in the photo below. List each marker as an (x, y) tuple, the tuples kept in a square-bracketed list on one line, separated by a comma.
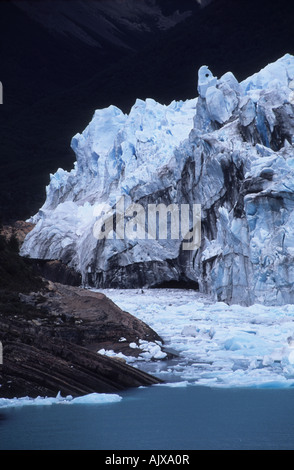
[(47, 99)]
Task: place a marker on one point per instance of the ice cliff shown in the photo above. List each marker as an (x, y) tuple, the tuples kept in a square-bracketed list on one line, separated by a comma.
[(229, 150)]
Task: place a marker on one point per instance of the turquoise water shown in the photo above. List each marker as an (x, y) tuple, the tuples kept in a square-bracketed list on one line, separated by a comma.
[(158, 418)]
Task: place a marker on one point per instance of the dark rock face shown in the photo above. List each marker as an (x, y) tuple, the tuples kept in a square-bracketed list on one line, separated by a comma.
[(56, 271), (18, 229), (52, 348), (92, 320), (50, 366)]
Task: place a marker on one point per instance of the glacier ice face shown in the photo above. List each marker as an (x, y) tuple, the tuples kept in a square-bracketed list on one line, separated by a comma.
[(131, 156), (229, 150), (247, 221)]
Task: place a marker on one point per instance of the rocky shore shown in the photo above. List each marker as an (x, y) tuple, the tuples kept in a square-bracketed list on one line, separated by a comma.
[(51, 334), (52, 346)]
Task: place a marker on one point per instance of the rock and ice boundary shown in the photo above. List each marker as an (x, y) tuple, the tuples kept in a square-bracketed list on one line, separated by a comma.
[(230, 150)]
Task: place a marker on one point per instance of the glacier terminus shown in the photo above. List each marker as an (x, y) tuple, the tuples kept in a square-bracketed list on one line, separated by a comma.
[(229, 150)]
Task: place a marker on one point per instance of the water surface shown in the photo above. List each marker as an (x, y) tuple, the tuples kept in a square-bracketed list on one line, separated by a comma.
[(158, 418)]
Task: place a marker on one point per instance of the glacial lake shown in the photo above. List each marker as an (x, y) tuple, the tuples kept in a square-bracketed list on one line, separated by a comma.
[(230, 386), (157, 418)]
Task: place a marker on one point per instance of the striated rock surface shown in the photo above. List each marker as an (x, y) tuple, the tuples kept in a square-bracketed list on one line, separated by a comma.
[(50, 344), (229, 150)]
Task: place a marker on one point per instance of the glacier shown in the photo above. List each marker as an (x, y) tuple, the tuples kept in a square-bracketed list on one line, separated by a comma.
[(229, 150)]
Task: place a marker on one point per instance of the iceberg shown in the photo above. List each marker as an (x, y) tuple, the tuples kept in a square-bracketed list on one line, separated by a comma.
[(90, 399), (229, 150)]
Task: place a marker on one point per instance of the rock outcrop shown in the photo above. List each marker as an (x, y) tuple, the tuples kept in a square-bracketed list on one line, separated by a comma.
[(17, 230), (50, 344)]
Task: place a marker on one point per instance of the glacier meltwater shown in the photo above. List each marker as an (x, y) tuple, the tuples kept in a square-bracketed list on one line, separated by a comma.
[(229, 150)]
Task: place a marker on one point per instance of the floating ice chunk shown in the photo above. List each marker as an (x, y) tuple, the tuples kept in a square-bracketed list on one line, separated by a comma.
[(240, 341), (95, 399), (189, 330), (151, 350), (120, 355), (291, 357), (182, 384), (267, 361)]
